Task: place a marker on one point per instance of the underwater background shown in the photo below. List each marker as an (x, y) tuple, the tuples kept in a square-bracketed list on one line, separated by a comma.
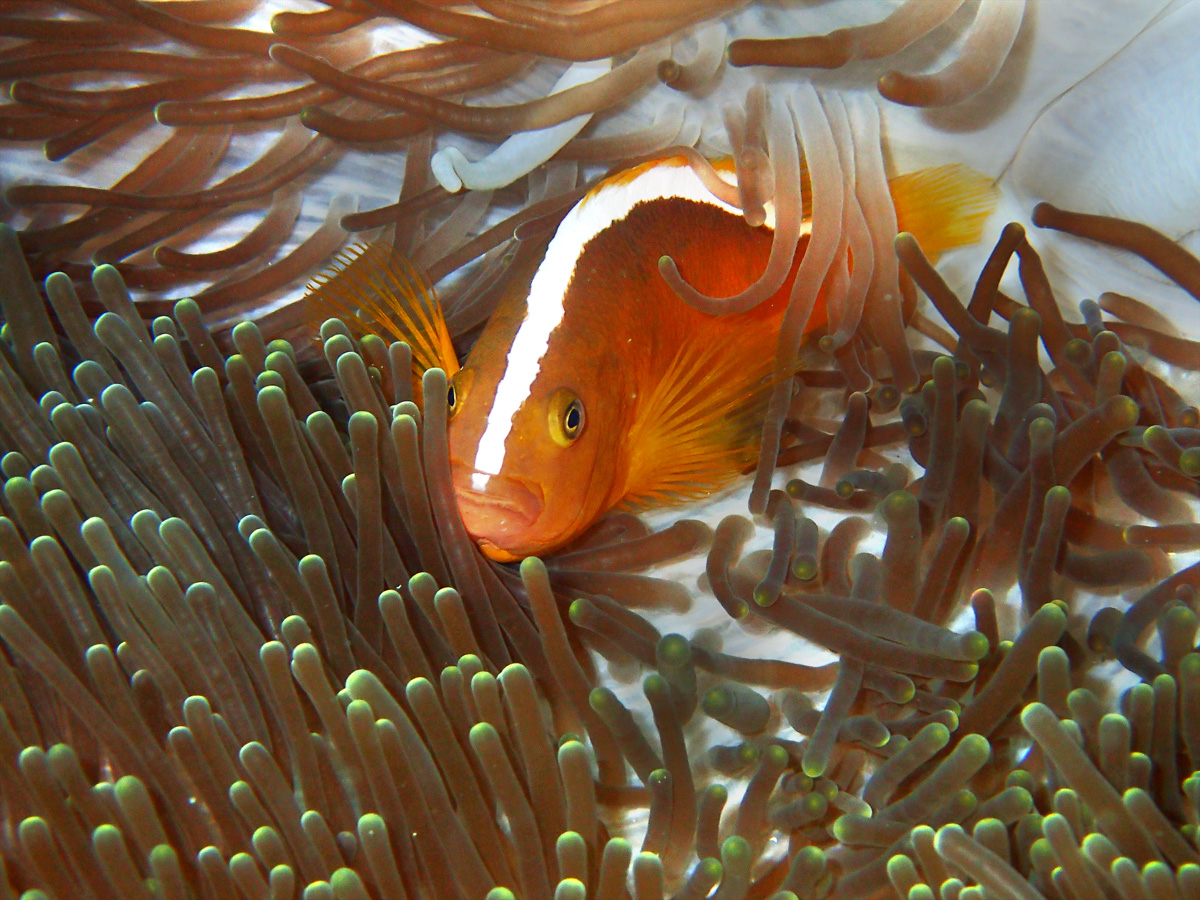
[(247, 648)]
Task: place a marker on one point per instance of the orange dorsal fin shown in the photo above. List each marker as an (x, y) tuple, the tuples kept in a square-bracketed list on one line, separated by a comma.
[(701, 424), (376, 290), (943, 207)]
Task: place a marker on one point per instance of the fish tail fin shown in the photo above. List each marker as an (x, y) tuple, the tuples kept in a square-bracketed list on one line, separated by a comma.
[(376, 290), (943, 207), (701, 426)]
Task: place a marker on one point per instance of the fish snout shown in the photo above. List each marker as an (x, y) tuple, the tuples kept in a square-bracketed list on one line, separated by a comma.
[(498, 511)]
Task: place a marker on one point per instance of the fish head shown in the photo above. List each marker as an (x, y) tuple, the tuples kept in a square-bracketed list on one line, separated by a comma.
[(552, 475), (534, 433)]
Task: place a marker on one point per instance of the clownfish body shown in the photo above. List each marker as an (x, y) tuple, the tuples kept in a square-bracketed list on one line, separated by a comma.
[(594, 385)]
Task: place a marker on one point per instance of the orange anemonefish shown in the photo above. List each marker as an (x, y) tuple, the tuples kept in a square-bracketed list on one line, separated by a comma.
[(594, 385)]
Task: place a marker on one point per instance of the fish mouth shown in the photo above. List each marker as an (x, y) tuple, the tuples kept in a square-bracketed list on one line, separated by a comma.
[(495, 506)]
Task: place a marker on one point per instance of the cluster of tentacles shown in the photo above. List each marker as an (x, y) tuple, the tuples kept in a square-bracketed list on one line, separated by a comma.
[(248, 650), (235, 122)]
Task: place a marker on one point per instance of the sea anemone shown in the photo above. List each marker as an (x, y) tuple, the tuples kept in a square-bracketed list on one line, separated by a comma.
[(248, 650)]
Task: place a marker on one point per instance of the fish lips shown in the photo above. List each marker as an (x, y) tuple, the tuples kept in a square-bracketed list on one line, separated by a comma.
[(502, 513)]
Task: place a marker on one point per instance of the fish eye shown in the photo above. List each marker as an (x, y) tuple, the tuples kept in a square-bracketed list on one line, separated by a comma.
[(456, 391), (573, 420), (566, 417)]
